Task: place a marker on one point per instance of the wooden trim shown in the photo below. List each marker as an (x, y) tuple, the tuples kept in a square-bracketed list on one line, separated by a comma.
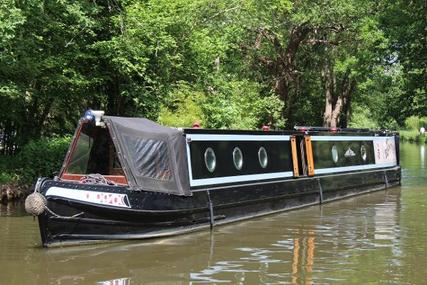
[(71, 149), (119, 179), (294, 156), (309, 153)]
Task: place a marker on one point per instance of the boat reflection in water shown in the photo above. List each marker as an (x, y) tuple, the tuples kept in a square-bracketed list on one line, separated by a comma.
[(120, 281), (11, 209), (303, 259)]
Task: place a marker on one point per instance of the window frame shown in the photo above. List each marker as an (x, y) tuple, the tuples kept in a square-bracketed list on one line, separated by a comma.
[(64, 175)]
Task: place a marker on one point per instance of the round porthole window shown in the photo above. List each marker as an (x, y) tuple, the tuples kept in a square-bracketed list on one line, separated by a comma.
[(334, 152), (237, 158), (210, 159), (262, 157), (363, 152)]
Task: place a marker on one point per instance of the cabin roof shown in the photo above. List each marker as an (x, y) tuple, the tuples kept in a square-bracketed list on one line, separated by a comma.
[(313, 131)]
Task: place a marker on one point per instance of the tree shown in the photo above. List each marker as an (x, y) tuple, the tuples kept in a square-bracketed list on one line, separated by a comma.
[(405, 25)]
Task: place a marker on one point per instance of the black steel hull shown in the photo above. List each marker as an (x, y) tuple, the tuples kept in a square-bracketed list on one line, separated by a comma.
[(154, 214)]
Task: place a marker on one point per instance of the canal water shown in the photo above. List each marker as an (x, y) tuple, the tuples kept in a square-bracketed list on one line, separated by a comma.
[(378, 238)]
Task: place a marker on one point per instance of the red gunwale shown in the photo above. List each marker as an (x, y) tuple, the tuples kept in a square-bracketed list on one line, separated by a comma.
[(118, 179)]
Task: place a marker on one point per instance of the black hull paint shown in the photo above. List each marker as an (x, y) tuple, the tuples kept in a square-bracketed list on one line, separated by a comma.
[(156, 214)]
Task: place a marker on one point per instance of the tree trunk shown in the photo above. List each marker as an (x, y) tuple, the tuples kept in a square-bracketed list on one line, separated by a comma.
[(282, 67), (348, 90), (336, 113), (41, 118), (329, 89), (287, 77), (337, 102)]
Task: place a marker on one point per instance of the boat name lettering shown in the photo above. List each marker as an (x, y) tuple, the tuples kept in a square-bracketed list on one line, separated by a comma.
[(102, 198)]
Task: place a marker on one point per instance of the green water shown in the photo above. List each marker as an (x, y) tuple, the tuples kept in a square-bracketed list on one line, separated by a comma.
[(379, 238)]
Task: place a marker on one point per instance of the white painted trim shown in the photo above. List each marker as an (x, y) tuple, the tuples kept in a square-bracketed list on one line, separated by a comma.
[(352, 168), (348, 138), (235, 137), (190, 171), (239, 178), (95, 197)]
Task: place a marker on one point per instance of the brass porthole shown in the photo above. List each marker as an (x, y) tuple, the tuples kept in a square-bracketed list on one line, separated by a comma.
[(210, 159), (334, 153), (363, 153), (262, 157), (237, 158)]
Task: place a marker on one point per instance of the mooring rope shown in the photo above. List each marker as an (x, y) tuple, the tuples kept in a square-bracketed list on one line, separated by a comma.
[(96, 179), (62, 217)]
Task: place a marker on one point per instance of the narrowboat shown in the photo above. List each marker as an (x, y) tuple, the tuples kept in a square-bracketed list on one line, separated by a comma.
[(131, 178)]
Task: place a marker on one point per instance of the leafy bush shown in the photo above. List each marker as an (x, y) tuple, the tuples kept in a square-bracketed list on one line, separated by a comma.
[(183, 107), (222, 103), (415, 123), (238, 104), (412, 136), (6, 170), (412, 129), (41, 158), (361, 118)]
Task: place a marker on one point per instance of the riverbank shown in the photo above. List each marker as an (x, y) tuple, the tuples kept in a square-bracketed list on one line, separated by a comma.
[(38, 158), (12, 192), (413, 136)]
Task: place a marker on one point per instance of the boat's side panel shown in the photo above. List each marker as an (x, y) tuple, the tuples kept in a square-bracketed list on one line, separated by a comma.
[(265, 198), (275, 148), (335, 154), (154, 214), (318, 155)]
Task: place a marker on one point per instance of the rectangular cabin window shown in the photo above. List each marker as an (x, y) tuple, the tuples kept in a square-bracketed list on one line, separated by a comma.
[(80, 157), (94, 152)]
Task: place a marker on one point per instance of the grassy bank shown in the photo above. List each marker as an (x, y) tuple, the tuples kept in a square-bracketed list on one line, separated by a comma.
[(411, 133), (412, 136)]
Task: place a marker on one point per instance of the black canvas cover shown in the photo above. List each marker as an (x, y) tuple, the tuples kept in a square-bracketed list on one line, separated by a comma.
[(153, 157)]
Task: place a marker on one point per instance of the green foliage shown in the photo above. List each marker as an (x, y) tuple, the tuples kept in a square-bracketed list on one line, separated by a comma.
[(237, 104), (183, 107), (361, 118), (10, 19), (40, 158), (412, 136), (232, 103), (411, 132), (228, 64), (404, 23), (7, 174), (415, 123)]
